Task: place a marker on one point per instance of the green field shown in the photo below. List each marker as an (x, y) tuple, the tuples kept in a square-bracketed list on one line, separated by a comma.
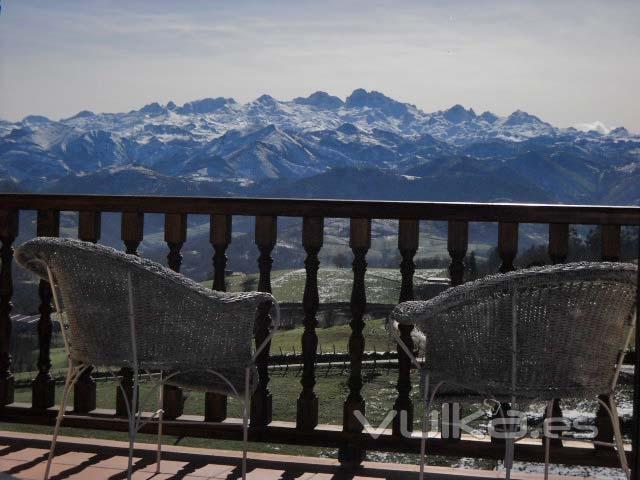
[(382, 285)]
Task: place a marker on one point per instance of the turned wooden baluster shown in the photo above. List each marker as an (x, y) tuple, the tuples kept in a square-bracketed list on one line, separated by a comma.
[(175, 234), (360, 242), (558, 251), (507, 249), (215, 404), (634, 464), (610, 252), (408, 233), (43, 387), (457, 244), (84, 396), (261, 402), (132, 231), (8, 233), (558, 242), (507, 245), (220, 237), (312, 237)]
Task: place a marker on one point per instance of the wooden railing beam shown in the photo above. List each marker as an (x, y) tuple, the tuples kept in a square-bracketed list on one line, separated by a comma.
[(435, 211)]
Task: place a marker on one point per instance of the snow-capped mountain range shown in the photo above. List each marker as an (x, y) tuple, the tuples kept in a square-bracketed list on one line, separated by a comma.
[(294, 148)]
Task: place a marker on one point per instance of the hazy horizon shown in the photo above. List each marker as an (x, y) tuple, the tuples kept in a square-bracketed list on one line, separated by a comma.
[(568, 64)]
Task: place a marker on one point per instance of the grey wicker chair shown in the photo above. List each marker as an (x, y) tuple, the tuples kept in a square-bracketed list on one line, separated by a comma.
[(124, 311), (536, 334)]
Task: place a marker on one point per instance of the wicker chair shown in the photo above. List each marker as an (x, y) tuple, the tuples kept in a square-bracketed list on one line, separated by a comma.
[(537, 334), (124, 311)]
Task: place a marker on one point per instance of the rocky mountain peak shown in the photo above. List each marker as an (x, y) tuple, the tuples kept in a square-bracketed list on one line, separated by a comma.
[(458, 114), (320, 100)]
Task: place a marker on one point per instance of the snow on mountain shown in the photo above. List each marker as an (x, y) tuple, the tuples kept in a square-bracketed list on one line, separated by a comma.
[(206, 105), (210, 139), (596, 126)]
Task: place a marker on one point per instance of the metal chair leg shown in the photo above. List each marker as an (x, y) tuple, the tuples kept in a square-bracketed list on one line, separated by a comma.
[(73, 373), (160, 409), (617, 434), (509, 447), (547, 441), (508, 457), (425, 426), (612, 410), (132, 417), (245, 421)]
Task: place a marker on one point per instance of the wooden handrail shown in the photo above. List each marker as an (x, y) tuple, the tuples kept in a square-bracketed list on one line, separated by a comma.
[(283, 207)]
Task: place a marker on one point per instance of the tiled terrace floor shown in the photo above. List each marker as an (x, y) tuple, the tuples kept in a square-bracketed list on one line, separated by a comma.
[(24, 455)]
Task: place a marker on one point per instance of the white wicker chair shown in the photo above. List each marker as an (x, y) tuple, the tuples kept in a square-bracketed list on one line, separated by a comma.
[(125, 311), (536, 334)]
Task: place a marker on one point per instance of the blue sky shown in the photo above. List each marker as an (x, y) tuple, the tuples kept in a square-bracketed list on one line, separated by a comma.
[(566, 61)]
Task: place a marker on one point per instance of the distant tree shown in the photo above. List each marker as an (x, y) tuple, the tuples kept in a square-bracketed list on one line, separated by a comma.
[(534, 256), (492, 263), (594, 243)]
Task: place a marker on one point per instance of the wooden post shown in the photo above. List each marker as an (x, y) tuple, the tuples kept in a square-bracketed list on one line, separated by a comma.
[(84, 396), (215, 404), (307, 407), (507, 245), (558, 242), (8, 233), (266, 233), (558, 251), (507, 249), (360, 242), (43, 387), (132, 232), (408, 240), (457, 245), (635, 437), (610, 252), (220, 238), (175, 234)]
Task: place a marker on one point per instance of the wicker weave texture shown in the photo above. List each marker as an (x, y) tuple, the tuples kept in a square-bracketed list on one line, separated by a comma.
[(567, 324), (179, 325)]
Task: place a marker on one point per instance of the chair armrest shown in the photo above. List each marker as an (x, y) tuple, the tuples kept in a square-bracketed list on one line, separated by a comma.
[(411, 313)]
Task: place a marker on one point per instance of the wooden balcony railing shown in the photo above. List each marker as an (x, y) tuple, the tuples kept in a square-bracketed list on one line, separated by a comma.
[(304, 429)]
